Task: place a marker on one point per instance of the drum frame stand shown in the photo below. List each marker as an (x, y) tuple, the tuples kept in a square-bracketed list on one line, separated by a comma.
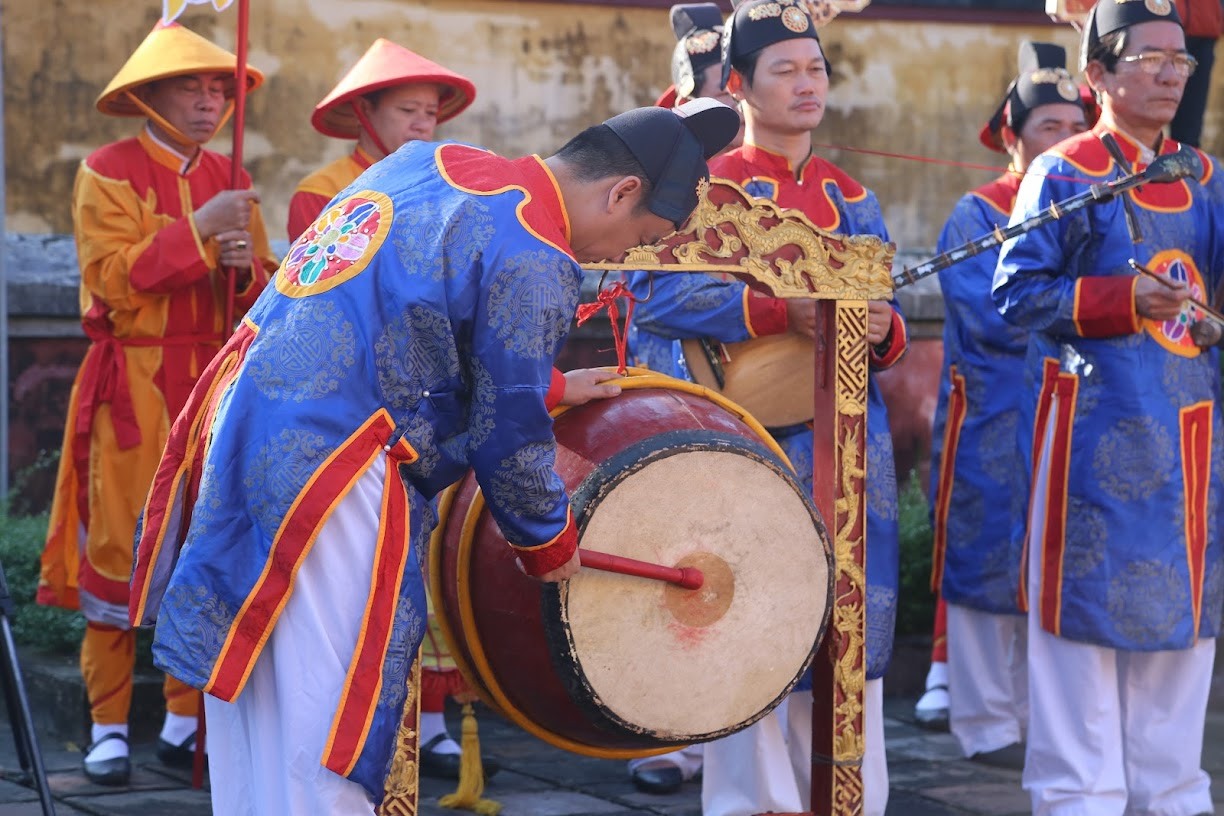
[(29, 757), (782, 252), (839, 671)]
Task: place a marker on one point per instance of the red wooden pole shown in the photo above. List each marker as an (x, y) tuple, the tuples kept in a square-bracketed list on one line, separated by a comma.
[(240, 89), (231, 283), (685, 577), (825, 494), (199, 758)]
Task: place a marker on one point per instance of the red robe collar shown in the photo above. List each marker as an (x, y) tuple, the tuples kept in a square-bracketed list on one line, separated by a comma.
[(1001, 193)]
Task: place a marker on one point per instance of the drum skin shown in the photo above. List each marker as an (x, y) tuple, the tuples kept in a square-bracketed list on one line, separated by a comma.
[(524, 645)]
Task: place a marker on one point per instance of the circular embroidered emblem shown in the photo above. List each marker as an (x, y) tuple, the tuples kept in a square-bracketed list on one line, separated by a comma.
[(1068, 90), (795, 20), (338, 246), (1174, 334), (1158, 7)]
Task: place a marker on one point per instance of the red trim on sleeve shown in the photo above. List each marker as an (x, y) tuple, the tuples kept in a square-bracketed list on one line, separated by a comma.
[(556, 390), (764, 315), (1105, 306), (556, 553), (898, 342)]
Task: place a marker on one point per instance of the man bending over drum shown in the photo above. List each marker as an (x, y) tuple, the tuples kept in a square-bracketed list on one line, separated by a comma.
[(410, 336)]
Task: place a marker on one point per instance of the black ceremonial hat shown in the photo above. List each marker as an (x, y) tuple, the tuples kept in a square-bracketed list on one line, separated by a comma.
[(756, 24), (1043, 80), (698, 28), (672, 145), (1108, 16)]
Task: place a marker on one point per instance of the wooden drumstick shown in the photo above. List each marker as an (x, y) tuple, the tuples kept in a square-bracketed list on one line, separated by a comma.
[(685, 577)]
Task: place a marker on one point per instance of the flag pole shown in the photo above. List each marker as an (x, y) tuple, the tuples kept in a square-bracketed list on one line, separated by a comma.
[(231, 283), (240, 80)]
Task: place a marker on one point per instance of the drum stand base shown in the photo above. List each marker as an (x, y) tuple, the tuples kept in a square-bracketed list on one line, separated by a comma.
[(28, 754)]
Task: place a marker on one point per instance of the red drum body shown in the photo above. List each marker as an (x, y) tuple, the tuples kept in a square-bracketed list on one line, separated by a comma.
[(617, 666)]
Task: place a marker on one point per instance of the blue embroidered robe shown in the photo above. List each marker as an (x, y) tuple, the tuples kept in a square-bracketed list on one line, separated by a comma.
[(979, 484), (1128, 547), (417, 320)]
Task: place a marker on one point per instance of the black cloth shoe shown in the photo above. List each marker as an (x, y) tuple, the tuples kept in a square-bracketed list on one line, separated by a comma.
[(934, 719), (1009, 756), (661, 779), (113, 771), (446, 766), (177, 756)]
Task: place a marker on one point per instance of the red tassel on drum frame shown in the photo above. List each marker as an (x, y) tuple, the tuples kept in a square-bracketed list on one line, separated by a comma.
[(607, 298)]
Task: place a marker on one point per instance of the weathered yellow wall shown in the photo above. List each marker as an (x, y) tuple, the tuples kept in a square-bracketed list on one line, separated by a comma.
[(542, 70)]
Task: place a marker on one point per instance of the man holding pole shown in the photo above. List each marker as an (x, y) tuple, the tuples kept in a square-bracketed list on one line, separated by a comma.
[(1125, 560), (155, 221)]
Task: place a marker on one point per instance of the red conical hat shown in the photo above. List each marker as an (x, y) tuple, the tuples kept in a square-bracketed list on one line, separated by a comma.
[(383, 66), (668, 98)]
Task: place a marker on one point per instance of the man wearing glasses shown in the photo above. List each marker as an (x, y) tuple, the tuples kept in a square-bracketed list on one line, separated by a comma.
[(1125, 561)]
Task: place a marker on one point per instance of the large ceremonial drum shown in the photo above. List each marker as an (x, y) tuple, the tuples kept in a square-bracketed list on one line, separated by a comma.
[(617, 666)]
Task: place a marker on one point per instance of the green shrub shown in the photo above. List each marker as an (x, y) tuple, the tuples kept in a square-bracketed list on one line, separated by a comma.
[(915, 603), (43, 627)]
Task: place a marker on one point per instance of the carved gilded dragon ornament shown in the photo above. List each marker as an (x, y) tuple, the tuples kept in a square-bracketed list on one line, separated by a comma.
[(779, 251)]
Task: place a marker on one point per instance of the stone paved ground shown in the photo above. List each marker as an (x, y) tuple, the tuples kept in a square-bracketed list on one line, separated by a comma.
[(928, 779)]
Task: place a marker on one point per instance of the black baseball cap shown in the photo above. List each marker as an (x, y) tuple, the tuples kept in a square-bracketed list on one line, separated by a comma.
[(673, 145)]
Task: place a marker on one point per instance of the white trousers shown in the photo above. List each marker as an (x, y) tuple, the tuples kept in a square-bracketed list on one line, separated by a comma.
[(987, 678), (768, 767), (264, 749), (1114, 732), (1111, 732)]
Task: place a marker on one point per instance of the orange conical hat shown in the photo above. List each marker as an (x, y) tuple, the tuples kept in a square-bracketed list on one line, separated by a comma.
[(169, 50), (384, 65)]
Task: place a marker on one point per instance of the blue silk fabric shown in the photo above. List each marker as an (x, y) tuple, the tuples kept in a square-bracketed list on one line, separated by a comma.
[(1129, 545), (979, 495), (426, 305)]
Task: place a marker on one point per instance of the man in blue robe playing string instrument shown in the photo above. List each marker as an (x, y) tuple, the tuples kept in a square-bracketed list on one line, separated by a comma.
[(1125, 561)]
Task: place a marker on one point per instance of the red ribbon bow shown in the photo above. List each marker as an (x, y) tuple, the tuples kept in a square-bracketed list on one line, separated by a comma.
[(607, 298)]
